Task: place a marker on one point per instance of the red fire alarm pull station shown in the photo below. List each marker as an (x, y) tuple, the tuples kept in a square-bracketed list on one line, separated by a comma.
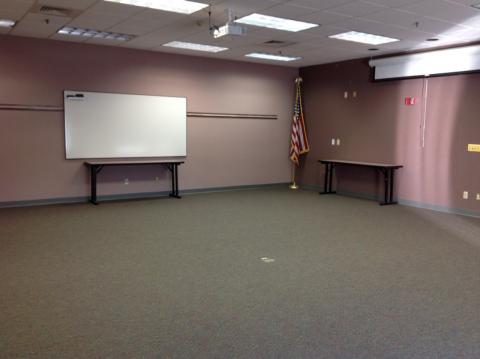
[(410, 101)]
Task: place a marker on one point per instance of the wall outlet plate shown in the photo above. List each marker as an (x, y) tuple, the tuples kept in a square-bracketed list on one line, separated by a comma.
[(333, 142), (338, 142), (465, 195), (478, 196)]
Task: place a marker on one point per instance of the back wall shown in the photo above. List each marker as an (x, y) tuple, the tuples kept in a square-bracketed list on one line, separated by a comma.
[(220, 152)]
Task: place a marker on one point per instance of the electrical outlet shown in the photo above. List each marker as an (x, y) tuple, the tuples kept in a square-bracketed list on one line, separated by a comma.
[(478, 196), (345, 94), (354, 94), (333, 142), (126, 182), (465, 195), (338, 142)]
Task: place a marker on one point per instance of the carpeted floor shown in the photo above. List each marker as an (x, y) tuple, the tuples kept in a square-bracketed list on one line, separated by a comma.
[(183, 278)]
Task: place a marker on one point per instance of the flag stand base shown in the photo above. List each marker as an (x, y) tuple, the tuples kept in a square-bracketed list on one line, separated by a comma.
[(294, 184)]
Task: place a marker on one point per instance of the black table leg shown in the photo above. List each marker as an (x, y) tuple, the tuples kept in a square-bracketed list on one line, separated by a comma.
[(325, 186), (327, 189), (392, 172), (331, 178), (93, 183), (174, 170), (388, 174)]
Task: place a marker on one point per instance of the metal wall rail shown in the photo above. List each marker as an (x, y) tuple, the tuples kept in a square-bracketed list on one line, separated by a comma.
[(12, 107), (30, 108)]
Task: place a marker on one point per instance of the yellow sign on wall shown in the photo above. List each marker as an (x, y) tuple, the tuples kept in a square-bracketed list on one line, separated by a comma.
[(473, 148)]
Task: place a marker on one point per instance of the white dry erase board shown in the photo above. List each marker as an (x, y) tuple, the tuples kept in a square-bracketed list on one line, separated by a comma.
[(105, 125)]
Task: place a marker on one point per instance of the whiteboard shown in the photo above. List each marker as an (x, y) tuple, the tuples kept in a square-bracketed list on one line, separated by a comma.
[(106, 125)]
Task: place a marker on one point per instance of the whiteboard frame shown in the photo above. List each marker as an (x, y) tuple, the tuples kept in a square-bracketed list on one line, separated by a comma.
[(125, 156)]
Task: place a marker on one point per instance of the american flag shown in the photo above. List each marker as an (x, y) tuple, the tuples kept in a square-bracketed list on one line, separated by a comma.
[(299, 141)]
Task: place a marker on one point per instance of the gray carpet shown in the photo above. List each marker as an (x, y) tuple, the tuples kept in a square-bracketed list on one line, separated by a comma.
[(183, 278)]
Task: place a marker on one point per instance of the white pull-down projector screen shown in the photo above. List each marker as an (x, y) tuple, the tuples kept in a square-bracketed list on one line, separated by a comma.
[(105, 125), (431, 63)]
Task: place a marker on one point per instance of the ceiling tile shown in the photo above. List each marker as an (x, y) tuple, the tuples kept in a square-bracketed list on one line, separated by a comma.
[(287, 11), (378, 28), (145, 22), (35, 25), (320, 4), (97, 21), (448, 11), (393, 3), (324, 18), (357, 8), (15, 9), (409, 20), (106, 7), (245, 7)]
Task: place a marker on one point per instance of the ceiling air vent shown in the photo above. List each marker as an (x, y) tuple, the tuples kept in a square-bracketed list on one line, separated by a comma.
[(50, 10), (54, 11), (278, 43)]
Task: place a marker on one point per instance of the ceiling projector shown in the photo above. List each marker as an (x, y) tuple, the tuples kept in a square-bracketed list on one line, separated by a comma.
[(229, 29)]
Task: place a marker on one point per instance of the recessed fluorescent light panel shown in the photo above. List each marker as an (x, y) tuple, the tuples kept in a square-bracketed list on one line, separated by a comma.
[(195, 47), (6, 23), (179, 6), (272, 57), (275, 22), (363, 38), (75, 31)]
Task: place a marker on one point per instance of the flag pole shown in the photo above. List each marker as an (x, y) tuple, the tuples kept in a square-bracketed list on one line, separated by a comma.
[(294, 185)]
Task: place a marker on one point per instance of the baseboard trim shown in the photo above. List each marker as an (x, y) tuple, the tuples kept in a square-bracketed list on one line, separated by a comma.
[(437, 208), (133, 196), (403, 202), (194, 191), (43, 202), (234, 188)]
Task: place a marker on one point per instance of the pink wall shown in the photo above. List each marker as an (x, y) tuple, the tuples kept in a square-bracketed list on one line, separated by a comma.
[(221, 152), (377, 126)]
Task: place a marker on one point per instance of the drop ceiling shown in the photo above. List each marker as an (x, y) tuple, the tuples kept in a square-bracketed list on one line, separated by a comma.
[(411, 21)]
